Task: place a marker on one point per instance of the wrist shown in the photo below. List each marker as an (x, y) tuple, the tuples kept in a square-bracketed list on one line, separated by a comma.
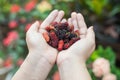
[(32, 66), (70, 65), (68, 58), (67, 62), (49, 55)]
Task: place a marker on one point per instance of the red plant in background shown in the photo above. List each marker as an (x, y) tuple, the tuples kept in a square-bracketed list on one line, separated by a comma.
[(13, 35), (23, 20), (12, 24), (29, 6), (8, 62), (15, 8), (56, 76), (27, 27), (20, 61)]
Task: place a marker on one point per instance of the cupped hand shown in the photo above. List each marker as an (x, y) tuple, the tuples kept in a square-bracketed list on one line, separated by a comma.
[(83, 48), (35, 40)]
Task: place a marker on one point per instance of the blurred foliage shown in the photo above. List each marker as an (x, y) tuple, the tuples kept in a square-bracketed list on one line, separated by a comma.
[(108, 54), (96, 5), (116, 9)]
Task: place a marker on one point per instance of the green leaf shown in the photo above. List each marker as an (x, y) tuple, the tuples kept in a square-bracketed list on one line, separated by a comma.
[(2, 55), (94, 55), (115, 10), (96, 6), (66, 0), (92, 75), (107, 53), (12, 16), (14, 55), (100, 50), (63, 6), (53, 1), (116, 71), (110, 55), (2, 18), (21, 42)]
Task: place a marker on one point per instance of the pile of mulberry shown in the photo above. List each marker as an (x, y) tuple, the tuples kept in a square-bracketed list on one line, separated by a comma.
[(60, 35)]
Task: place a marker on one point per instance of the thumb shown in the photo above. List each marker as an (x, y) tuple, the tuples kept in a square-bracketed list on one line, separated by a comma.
[(90, 34), (34, 27)]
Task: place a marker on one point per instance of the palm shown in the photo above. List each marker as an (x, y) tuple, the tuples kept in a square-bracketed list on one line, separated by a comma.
[(84, 48), (36, 40), (81, 49)]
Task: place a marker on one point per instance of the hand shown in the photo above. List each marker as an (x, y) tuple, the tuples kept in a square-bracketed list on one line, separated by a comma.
[(83, 48), (41, 57), (73, 59), (35, 41)]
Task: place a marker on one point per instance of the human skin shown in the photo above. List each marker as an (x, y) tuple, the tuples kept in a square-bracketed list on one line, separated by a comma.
[(41, 56), (71, 62)]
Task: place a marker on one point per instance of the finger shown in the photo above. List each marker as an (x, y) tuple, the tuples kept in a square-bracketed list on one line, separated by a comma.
[(90, 34), (82, 26), (70, 22), (60, 16), (49, 19), (74, 21), (42, 31), (34, 27), (63, 21)]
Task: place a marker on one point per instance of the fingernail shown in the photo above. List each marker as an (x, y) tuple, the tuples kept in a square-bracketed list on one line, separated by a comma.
[(55, 10), (36, 22), (79, 15), (62, 12), (73, 13), (91, 27)]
